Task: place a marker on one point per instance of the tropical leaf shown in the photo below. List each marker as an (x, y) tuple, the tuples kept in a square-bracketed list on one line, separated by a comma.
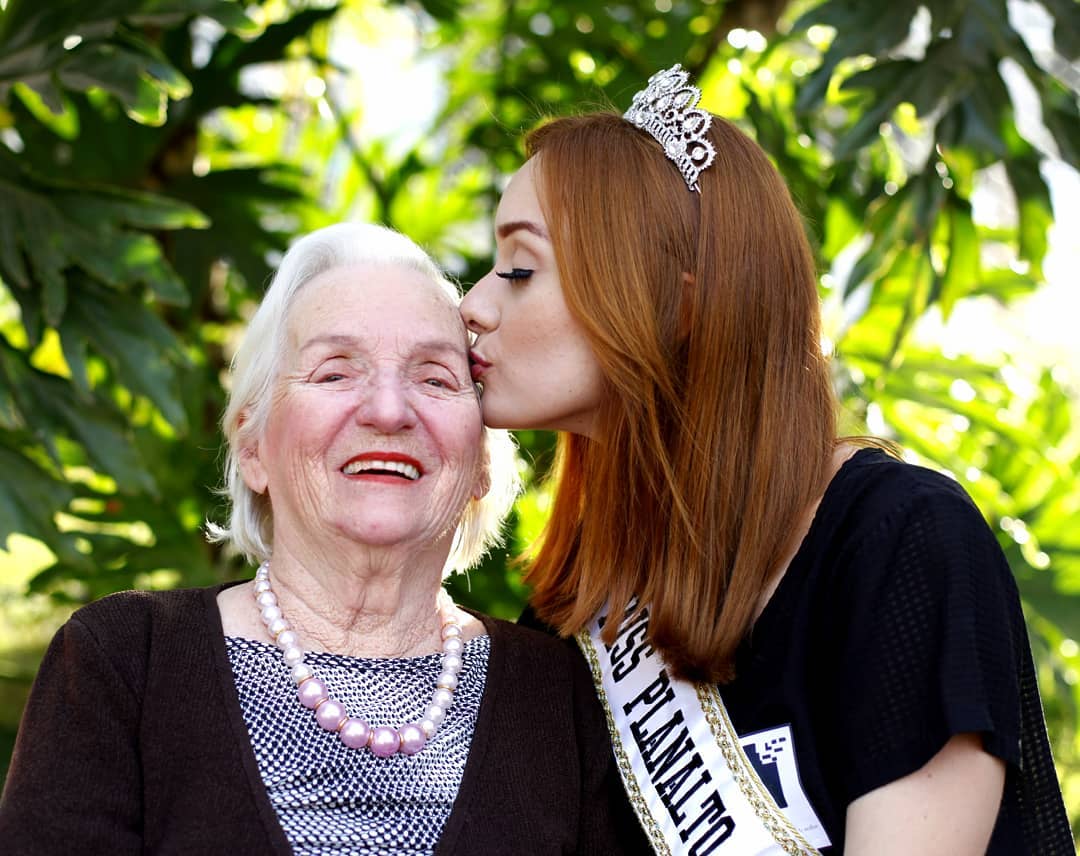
[(46, 229), (45, 408), (29, 500), (144, 354)]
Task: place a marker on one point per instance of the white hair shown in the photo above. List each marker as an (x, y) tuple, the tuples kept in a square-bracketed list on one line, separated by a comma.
[(254, 371)]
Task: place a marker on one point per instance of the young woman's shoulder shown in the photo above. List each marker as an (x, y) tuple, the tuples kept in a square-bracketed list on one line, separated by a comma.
[(877, 501), (923, 620), (873, 475)]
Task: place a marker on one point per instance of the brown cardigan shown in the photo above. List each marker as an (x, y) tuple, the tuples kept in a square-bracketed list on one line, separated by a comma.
[(133, 742)]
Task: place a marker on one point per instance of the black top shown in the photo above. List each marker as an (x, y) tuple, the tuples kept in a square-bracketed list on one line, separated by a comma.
[(133, 742), (896, 626)]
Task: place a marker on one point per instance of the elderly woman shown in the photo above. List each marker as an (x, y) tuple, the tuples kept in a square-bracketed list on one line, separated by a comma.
[(339, 703)]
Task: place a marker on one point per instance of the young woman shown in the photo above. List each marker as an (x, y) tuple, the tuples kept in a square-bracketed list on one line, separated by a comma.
[(803, 644)]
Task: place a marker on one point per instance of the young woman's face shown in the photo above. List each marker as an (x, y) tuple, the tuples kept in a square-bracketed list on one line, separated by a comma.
[(531, 355)]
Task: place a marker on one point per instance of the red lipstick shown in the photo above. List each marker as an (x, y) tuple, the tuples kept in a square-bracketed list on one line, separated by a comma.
[(397, 467)]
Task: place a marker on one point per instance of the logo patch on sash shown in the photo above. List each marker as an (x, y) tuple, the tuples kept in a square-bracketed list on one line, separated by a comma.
[(771, 753)]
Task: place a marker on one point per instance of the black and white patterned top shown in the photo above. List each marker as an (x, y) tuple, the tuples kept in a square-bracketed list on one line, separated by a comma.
[(336, 801)]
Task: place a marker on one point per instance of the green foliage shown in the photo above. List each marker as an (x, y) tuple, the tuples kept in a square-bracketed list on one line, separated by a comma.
[(159, 154)]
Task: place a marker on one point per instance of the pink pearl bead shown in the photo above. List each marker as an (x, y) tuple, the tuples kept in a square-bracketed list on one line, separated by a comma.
[(436, 714), (442, 697), (300, 672), (354, 733), (453, 645), (451, 630), (286, 639), (447, 681), (412, 739), (330, 714), (292, 657), (271, 613), (312, 692), (385, 741)]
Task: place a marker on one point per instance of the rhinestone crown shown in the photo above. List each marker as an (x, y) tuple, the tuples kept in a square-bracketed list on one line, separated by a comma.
[(667, 109)]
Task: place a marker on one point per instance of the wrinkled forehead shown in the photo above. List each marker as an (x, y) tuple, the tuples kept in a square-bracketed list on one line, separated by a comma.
[(376, 300)]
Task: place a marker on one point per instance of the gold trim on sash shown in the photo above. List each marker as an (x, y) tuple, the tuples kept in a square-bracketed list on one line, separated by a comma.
[(784, 833), (765, 807), (633, 790)]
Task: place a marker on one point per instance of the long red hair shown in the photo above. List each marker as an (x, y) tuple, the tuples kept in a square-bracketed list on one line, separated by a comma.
[(718, 421)]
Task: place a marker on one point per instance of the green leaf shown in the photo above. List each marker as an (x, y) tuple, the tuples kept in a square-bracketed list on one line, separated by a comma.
[(1004, 285), (49, 106), (133, 208), (841, 227), (32, 33), (271, 44), (1034, 209), (160, 13), (125, 74), (962, 271), (143, 352), (861, 29), (47, 408), (29, 314), (56, 230), (29, 500), (12, 267), (1062, 120)]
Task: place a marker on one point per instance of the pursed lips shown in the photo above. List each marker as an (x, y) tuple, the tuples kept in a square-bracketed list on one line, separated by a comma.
[(384, 466), (477, 365)]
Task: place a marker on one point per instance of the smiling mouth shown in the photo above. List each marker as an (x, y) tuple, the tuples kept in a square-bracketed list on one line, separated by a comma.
[(375, 467)]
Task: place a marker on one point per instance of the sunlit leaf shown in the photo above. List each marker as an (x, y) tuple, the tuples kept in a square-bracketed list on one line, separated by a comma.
[(49, 106), (143, 352), (1033, 203), (962, 271), (29, 499)]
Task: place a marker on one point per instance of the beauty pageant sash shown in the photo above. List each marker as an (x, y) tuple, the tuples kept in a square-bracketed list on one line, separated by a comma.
[(686, 773)]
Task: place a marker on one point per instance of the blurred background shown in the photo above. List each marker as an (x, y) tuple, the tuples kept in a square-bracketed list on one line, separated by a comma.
[(157, 156)]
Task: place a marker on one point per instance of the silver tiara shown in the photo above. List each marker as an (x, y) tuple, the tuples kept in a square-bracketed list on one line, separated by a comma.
[(667, 109)]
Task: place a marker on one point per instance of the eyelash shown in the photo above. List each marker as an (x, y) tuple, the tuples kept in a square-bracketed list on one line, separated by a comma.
[(516, 273)]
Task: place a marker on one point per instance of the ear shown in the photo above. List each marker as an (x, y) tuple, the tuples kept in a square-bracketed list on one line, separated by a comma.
[(482, 482), (252, 469), (250, 463)]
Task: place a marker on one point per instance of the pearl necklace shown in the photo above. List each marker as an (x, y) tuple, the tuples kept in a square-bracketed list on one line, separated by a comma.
[(354, 732)]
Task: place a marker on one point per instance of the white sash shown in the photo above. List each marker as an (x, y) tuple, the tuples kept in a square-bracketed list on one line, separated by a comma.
[(686, 774)]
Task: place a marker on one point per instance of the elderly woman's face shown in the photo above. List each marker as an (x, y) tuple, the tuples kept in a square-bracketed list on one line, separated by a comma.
[(374, 432)]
